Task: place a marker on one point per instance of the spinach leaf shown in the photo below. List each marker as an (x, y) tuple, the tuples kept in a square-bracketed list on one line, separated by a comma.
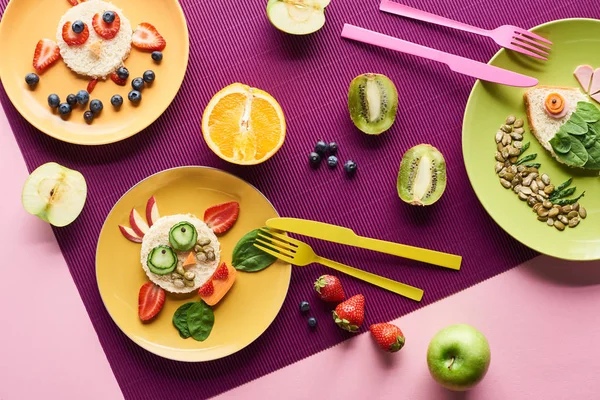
[(588, 112), (561, 142), (576, 125), (200, 320), (248, 258), (593, 161), (578, 155), (588, 139), (180, 320)]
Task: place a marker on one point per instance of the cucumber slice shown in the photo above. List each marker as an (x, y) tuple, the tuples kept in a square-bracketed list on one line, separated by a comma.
[(183, 236), (162, 260)]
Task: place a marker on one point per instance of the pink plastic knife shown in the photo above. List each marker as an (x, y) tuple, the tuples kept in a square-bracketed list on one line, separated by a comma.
[(456, 63)]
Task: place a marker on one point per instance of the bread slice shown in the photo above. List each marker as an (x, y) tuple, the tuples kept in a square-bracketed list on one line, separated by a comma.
[(543, 126)]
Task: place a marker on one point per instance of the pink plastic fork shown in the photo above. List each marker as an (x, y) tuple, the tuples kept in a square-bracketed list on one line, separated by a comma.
[(508, 36)]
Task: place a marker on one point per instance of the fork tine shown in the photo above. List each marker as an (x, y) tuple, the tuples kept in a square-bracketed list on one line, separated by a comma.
[(525, 39), (529, 47), (275, 242), (526, 52), (533, 35), (282, 237), (275, 254)]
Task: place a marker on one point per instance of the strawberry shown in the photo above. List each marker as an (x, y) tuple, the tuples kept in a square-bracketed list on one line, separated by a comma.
[(115, 78), (388, 337), (91, 85), (222, 216), (46, 53), (150, 301), (146, 37), (329, 288), (350, 314), (104, 29), (221, 273), (207, 289), (72, 38), (73, 2)]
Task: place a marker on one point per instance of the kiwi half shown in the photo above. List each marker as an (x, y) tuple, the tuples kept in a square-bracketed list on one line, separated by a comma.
[(373, 103), (422, 176)]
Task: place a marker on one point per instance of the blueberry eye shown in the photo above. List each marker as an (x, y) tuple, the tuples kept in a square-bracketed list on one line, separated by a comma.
[(78, 26), (108, 17)]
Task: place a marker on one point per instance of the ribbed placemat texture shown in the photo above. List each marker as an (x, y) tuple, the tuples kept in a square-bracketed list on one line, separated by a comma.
[(233, 41)]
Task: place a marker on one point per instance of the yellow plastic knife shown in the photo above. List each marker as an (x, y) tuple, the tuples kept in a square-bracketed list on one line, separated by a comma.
[(338, 234)]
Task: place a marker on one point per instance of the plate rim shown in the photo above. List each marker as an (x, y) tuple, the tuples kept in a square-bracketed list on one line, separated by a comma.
[(142, 343), (99, 142), (476, 85)]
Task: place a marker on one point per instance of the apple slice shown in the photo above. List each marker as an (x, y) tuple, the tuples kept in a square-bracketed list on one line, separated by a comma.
[(130, 234), (55, 194), (297, 17), (152, 214), (139, 226)]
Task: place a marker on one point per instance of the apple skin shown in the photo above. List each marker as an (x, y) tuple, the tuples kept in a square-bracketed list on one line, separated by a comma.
[(458, 357)]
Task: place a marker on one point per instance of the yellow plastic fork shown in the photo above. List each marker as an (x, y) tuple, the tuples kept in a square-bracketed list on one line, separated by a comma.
[(298, 253)]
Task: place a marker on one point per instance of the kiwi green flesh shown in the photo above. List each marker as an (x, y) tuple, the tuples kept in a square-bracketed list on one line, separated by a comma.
[(297, 17), (373, 103), (422, 176)]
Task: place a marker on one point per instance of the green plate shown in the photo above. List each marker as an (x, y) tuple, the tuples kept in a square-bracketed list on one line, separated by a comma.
[(575, 42)]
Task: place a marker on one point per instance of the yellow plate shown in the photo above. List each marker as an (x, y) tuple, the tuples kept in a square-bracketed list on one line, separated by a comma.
[(252, 303), (25, 22)]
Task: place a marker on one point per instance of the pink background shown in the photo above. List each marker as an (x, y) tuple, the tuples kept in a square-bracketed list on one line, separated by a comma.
[(541, 320)]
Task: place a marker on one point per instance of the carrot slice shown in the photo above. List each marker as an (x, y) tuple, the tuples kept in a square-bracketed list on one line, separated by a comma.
[(555, 103), (190, 260)]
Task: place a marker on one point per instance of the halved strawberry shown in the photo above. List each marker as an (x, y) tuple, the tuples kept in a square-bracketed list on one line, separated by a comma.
[(73, 2), (46, 53), (221, 273), (150, 301), (91, 85), (72, 38), (104, 29), (222, 216), (146, 37), (207, 289), (115, 78)]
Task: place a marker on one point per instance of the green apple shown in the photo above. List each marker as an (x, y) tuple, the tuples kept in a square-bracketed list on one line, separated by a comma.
[(297, 17), (55, 194), (458, 357)]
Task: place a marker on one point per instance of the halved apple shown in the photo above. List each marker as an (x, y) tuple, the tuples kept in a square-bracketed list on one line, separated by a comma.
[(55, 194), (152, 214), (297, 17), (130, 234), (139, 226)]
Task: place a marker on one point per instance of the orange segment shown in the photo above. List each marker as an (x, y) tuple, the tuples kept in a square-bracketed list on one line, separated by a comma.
[(243, 125)]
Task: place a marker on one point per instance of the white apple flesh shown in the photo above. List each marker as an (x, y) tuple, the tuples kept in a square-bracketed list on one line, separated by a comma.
[(297, 17), (139, 226), (152, 214), (55, 194)]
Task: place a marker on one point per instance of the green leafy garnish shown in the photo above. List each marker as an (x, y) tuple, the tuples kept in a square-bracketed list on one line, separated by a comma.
[(248, 258), (565, 202), (533, 165), (527, 158), (561, 142), (564, 185), (563, 193), (525, 147), (577, 156), (200, 320), (588, 112), (180, 320)]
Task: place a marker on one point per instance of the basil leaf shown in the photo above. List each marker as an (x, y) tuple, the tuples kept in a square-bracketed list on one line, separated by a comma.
[(561, 142), (200, 320), (593, 161), (248, 258), (578, 155), (180, 320), (588, 112)]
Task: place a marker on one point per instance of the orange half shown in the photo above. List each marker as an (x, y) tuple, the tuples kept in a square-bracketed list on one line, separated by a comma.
[(243, 125)]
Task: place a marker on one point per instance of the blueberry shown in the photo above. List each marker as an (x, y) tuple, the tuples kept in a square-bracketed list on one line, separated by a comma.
[(332, 161), (64, 109), (312, 322), (108, 17), (350, 167), (333, 148), (71, 99), (157, 56), (137, 84), (32, 79), (78, 26), (135, 96), (96, 106), (314, 159), (53, 100), (88, 116), (123, 73), (321, 147), (83, 97), (304, 306), (116, 100), (149, 76)]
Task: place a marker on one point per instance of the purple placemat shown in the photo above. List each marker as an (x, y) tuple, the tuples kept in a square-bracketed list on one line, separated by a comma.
[(233, 41)]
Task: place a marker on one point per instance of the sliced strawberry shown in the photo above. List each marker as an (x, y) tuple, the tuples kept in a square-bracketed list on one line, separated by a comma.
[(73, 2), (150, 301), (104, 29), (221, 273), (72, 38), (146, 37), (115, 78), (207, 289), (222, 217), (46, 53), (91, 85)]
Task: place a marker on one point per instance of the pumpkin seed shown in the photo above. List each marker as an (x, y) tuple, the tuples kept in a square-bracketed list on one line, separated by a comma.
[(525, 190), (582, 212), (523, 196), (500, 146), (499, 136), (201, 257), (534, 187), (549, 189), (521, 168), (527, 181), (180, 270), (550, 221), (559, 225), (505, 183), (573, 214), (513, 151), (574, 222), (547, 204), (197, 248), (517, 188), (510, 120), (204, 241), (540, 198), (543, 219), (507, 128), (545, 179), (504, 153), (518, 123), (520, 130), (513, 159), (537, 207), (563, 219), (540, 184), (531, 201), (566, 209), (516, 136), (499, 157), (210, 255), (542, 212), (513, 169), (576, 206), (175, 275), (498, 167), (189, 283), (178, 283), (189, 276), (517, 144), (506, 139), (509, 177), (553, 212)]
